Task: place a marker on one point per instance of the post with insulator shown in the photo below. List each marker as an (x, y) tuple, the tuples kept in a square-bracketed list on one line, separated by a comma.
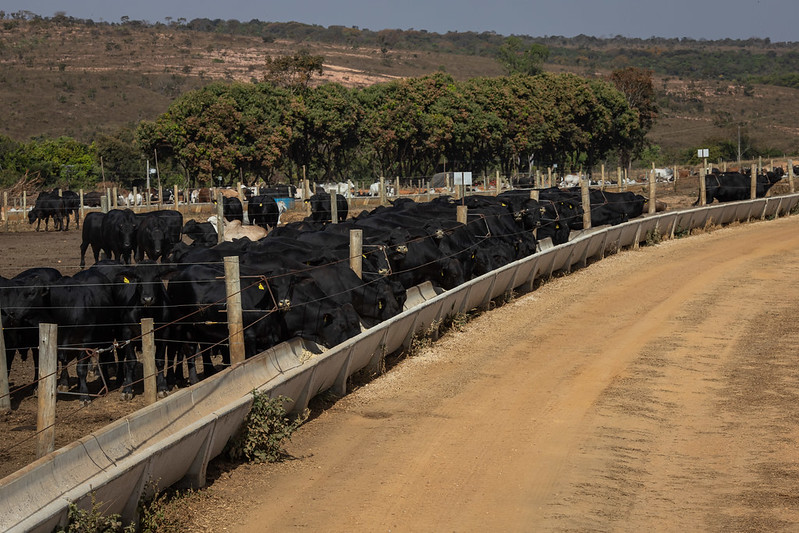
[(45, 418)]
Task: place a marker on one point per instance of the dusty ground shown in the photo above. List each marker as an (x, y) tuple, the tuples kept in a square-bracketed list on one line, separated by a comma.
[(655, 390)]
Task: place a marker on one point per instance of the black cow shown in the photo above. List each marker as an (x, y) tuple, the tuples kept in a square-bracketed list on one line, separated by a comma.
[(83, 308), (71, 205), (734, 186), (198, 300), (48, 205), (201, 233), (173, 227), (232, 209), (92, 199), (138, 292), (92, 235), (22, 299), (321, 208), (262, 210), (151, 238), (119, 234)]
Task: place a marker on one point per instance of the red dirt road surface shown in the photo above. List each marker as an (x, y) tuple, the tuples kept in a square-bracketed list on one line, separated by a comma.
[(655, 390)]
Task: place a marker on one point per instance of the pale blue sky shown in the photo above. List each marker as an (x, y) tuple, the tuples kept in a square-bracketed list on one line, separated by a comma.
[(707, 19)]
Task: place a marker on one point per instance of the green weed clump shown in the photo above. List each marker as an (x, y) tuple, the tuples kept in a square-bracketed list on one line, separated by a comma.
[(93, 521), (265, 428)]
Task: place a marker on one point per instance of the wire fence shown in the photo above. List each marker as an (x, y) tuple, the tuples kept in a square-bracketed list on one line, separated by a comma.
[(180, 314)]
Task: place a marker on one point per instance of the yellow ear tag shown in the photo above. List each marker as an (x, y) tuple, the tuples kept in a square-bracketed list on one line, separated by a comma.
[(126, 280), (261, 286), (379, 305)]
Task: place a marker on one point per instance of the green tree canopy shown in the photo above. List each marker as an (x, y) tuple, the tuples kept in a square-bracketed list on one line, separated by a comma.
[(520, 59)]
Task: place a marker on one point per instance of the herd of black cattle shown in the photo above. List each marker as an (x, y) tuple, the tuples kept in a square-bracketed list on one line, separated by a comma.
[(296, 282)]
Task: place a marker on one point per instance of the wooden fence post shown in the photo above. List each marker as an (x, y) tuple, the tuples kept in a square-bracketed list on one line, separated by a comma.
[(176, 198), (148, 360), (790, 175), (45, 418), (753, 184), (5, 398), (396, 188), (618, 177), (586, 198), (675, 175), (220, 216), (549, 177), (104, 204), (334, 207), (234, 318), (498, 185), (25, 204), (702, 187), (80, 208), (5, 208), (382, 190), (602, 183), (652, 185), (356, 251), (462, 213)]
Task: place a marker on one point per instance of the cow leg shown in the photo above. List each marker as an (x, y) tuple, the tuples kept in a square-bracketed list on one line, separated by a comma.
[(83, 247), (129, 364), (63, 378), (83, 371)]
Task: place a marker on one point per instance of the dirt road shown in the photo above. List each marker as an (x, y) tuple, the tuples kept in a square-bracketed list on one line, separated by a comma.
[(657, 389)]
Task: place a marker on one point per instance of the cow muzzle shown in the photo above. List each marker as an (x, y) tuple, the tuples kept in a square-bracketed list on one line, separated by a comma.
[(284, 304), (402, 249)]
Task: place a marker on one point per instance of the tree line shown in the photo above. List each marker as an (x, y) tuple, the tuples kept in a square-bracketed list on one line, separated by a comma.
[(409, 128)]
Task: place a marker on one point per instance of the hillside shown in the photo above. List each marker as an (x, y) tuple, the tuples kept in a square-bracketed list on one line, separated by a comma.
[(80, 79)]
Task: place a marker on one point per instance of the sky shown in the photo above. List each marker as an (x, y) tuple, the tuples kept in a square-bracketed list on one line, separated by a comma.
[(699, 19)]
